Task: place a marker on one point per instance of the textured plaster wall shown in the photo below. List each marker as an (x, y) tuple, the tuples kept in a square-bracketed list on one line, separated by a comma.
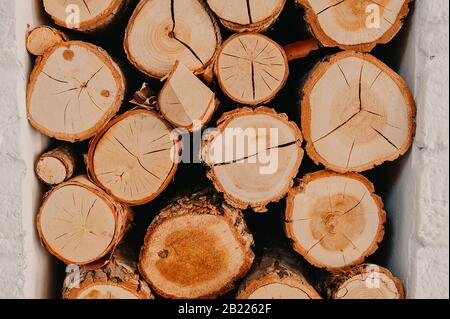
[(418, 201)]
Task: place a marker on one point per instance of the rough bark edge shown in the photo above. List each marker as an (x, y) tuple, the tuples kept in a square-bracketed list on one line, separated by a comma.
[(212, 204), (261, 101), (65, 156), (275, 266), (113, 109), (99, 22), (302, 183), (93, 145), (317, 31), (56, 32), (259, 207), (332, 284), (259, 26), (206, 116), (118, 272), (317, 72), (142, 69), (123, 217)]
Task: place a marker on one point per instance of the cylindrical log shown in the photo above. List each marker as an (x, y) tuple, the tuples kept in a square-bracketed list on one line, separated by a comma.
[(197, 247), (56, 166), (85, 16), (365, 281), (74, 90), (118, 279), (356, 113), (79, 223), (334, 220), (355, 24), (251, 68), (42, 38), (253, 156), (250, 15), (185, 101), (160, 32), (135, 157), (276, 275)]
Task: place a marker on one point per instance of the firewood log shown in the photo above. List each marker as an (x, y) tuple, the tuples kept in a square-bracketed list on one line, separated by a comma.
[(56, 166), (334, 220), (74, 90), (355, 24), (365, 281), (161, 32), (83, 15), (135, 157), (197, 247), (185, 101), (249, 15), (356, 113), (79, 223), (118, 279), (276, 275), (42, 38), (253, 156)]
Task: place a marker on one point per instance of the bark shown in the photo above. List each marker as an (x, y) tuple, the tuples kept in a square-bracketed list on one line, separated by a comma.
[(118, 279), (277, 275), (135, 157), (42, 38), (253, 157), (334, 220), (79, 223), (197, 247), (250, 15), (161, 32), (366, 281), (357, 113), (56, 166), (355, 25), (74, 90)]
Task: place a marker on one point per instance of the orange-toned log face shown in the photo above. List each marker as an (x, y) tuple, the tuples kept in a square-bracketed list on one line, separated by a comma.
[(192, 256)]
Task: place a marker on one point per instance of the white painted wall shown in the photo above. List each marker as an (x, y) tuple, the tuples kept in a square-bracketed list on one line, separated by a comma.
[(418, 204)]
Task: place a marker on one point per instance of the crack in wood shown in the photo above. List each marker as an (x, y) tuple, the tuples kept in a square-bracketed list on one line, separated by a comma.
[(249, 12), (329, 7), (385, 138)]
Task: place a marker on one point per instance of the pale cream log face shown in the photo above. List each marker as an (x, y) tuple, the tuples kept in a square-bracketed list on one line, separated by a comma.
[(103, 291), (41, 39), (193, 255), (349, 22), (368, 285), (51, 170), (360, 117), (76, 224), (251, 68), (245, 11), (164, 31), (278, 291), (75, 90), (135, 157), (335, 221)]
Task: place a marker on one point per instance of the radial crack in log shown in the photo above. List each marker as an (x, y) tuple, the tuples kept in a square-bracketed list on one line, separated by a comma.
[(162, 32), (276, 275), (185, 101), (56, 104), (247, 15), (334, 220), (253, 156), (365, 118), (251, 69), (355, 24), (135, 157), (367, 281), (197, 247), (79, 223), (93, 15)]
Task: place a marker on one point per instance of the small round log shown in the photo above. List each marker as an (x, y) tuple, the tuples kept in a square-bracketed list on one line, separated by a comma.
[(56, 166), (42, 38)]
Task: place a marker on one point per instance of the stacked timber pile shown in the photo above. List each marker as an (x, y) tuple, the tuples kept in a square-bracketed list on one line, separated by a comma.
[(356, 113)]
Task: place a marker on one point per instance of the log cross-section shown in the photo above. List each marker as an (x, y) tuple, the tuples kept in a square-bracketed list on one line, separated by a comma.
[(356, 113)]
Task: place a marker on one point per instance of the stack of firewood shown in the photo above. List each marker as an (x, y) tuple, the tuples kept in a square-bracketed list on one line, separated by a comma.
[(356, 113)]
